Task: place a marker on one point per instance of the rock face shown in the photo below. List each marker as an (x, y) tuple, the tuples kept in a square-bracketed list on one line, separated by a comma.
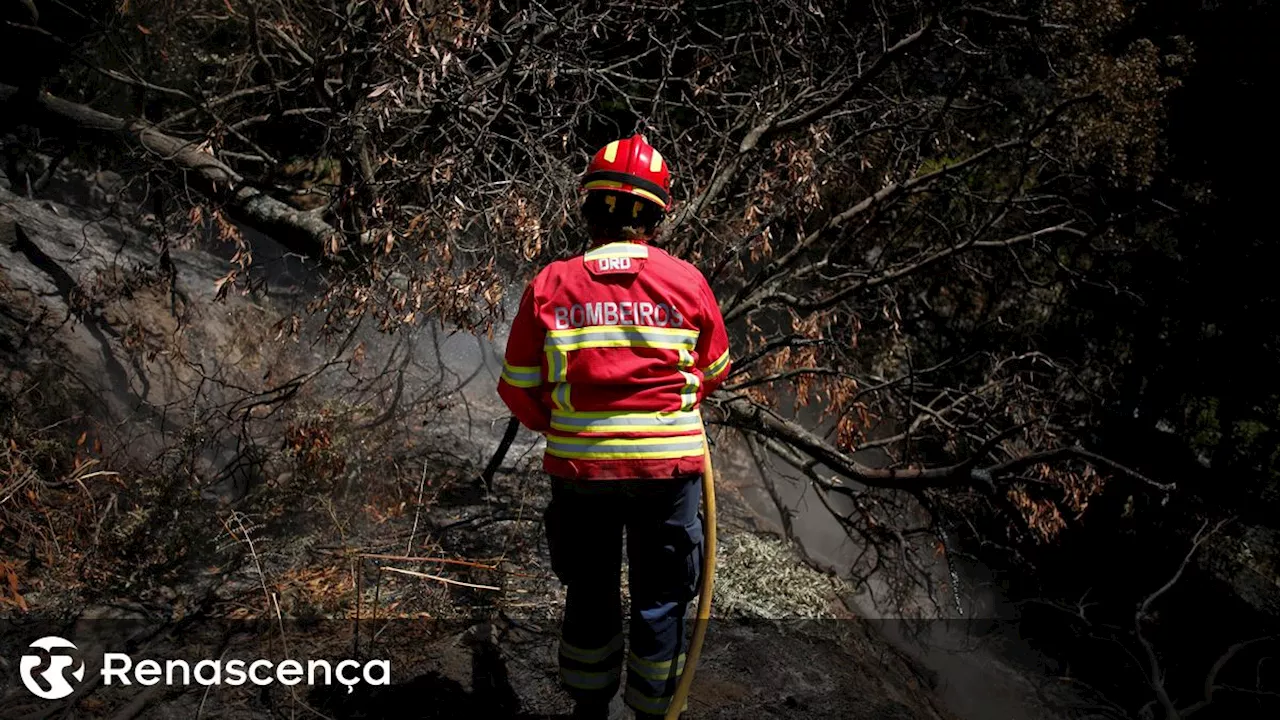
[(90, 310)]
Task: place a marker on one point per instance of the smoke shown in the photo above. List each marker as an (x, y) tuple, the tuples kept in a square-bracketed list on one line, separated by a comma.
[(969, 641)]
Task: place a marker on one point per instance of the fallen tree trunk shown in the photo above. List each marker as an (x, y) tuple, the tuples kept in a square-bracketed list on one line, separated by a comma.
[(741, 413), (305, 233)]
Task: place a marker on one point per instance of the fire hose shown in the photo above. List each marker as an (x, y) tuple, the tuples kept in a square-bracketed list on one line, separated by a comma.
[(703, 617), (707, 583)]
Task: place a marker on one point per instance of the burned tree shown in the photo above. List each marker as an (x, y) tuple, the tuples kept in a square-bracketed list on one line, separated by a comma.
[(894, 202)]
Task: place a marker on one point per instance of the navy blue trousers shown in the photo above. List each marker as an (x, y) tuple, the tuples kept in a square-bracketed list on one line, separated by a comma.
[(585, 524)]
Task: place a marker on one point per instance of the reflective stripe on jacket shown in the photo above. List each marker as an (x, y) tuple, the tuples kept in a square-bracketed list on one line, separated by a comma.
[(610, 356)]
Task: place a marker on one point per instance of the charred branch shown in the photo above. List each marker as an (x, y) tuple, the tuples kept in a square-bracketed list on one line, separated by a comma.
[(302, 232)]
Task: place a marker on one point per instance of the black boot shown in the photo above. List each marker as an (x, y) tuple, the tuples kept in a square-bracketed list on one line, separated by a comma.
[(598, 710)]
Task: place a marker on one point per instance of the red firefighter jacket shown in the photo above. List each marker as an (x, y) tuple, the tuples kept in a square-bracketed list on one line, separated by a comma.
[(610, 356)]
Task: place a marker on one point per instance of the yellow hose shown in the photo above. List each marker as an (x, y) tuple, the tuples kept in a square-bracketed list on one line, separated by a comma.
[(704, 592)]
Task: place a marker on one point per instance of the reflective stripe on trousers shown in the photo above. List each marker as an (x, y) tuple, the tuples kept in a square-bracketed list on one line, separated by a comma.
[(651, 684), (587, 671), (641, 703)]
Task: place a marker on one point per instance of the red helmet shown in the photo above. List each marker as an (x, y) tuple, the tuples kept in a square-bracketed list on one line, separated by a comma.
[(631, 166)]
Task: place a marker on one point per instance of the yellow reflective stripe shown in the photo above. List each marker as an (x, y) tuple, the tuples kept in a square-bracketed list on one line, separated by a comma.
[(523, 376), (654, 448), (648, 329), (655, 161), (612, 185), (610, 422), (557, 365), (586, 441), (587, 680), (651, 670), (618, 250), (623, 413), (560, 396), (718, 366), (592, 655), (598, 336), (686, 359), (619, 341), (689, 394), (611, 151), (640, 702)]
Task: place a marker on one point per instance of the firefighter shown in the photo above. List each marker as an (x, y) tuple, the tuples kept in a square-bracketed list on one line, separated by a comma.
[(609, 357)]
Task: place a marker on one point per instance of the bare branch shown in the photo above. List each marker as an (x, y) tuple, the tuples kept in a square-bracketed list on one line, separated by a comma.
[(858, 83), (1155, 675), (772, 125), (749, 416), (299, 231), (1211, 679)]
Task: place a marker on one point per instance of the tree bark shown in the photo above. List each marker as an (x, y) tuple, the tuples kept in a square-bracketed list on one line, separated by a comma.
[(299, 231)]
